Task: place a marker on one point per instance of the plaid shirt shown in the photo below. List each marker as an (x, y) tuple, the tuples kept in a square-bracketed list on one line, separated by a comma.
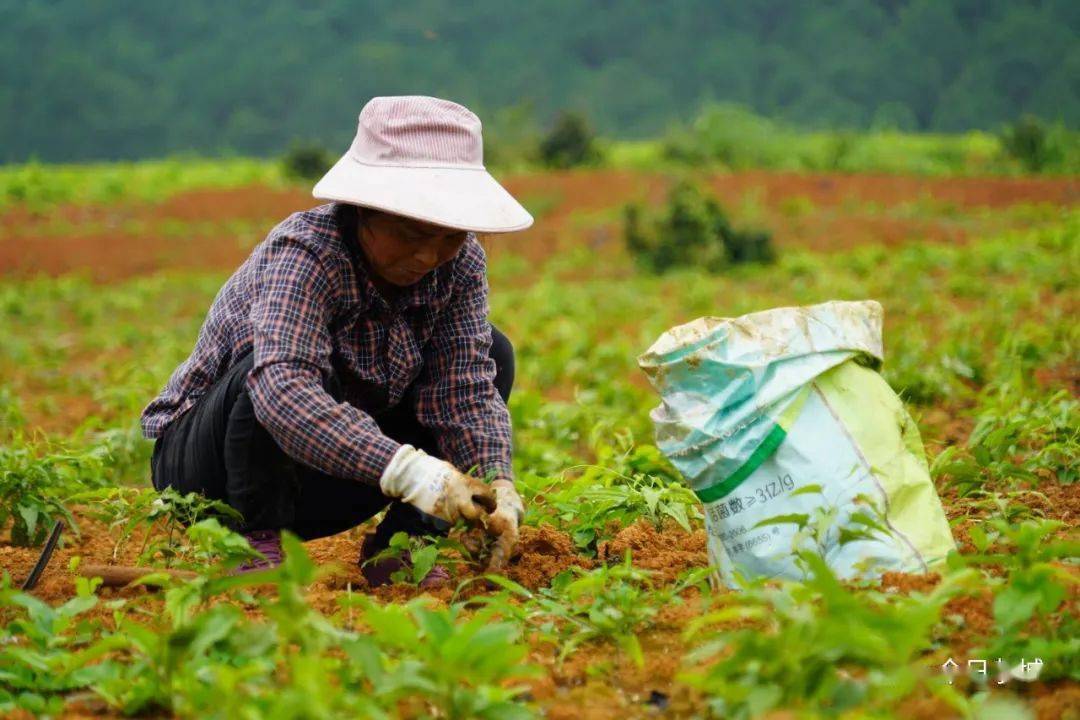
[(304, 301)]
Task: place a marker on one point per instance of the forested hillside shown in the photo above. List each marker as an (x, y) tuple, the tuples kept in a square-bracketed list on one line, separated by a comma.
[(129, 78)]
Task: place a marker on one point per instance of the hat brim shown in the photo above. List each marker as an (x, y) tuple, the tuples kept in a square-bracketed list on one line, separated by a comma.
[(463, 199)]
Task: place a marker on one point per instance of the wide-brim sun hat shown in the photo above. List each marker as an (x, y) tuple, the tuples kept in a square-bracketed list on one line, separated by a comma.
[(423, 158)]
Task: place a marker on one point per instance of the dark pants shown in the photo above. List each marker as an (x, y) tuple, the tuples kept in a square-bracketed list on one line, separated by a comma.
[(219, 449)]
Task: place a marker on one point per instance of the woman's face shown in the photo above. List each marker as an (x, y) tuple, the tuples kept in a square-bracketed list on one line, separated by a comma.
[(401, 251)]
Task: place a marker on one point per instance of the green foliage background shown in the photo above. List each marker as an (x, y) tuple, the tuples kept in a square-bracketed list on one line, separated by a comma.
[(129, 79)]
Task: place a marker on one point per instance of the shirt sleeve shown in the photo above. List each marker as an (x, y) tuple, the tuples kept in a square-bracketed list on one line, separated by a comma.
[(456, 395), (290, 317)]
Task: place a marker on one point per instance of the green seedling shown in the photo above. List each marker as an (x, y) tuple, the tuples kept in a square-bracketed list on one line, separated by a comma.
[(46, 652), (439, 663), (634, 484), (816, 646), (1016, 440), (424, 553), (212, 542), (164, 520), (35, 486), (1030, 614), (820, 529), (610, 603), (1007, 505)]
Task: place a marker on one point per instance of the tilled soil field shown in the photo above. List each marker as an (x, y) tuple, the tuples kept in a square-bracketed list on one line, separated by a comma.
[(101, 303), (215, 229), (569, 688)]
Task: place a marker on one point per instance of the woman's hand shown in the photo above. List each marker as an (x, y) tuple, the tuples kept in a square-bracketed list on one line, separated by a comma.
[(436, 487), (507, 501), (504, 522)]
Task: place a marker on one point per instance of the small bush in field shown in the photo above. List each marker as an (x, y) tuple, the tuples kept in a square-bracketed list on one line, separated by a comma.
[(691, 230), (1027, 140), (570, 143), (306, 161), (35, 483)]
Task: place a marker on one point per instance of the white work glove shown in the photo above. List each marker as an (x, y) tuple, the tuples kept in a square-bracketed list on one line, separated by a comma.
[(436, 487), (503, 523), (507, 502)]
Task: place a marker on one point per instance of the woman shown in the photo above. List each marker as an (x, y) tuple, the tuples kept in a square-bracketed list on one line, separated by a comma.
[(348, 364)]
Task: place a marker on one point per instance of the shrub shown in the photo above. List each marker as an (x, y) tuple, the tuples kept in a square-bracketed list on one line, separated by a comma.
[(570, 143), (306, 161), (736, 137), (691, 230), (1027, 140)]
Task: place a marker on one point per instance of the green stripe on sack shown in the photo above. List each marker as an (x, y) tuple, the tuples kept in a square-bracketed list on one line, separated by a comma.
[(764, 452)]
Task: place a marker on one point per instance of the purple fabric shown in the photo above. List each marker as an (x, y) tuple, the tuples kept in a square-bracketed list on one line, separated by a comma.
[(309, 310), (268, 544)]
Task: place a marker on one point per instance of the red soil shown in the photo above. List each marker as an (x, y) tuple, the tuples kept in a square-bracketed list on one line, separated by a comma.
[(597, 681), (822, 211), (826, 212)]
